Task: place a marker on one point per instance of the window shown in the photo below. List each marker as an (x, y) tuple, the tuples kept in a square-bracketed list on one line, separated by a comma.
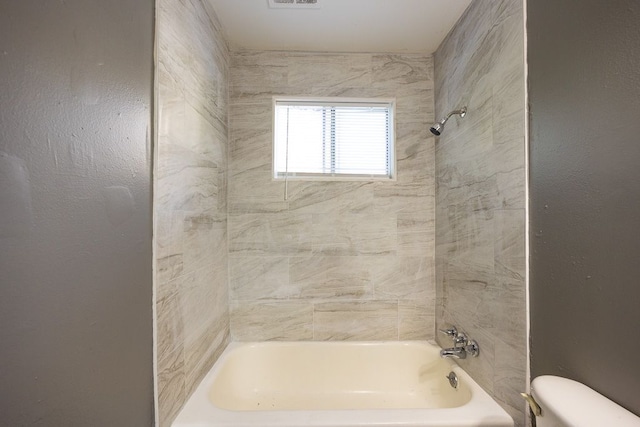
[(333, 139)]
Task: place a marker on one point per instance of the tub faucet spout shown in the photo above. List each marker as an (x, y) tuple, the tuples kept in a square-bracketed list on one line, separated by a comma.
[(454, 352), (462, 347)]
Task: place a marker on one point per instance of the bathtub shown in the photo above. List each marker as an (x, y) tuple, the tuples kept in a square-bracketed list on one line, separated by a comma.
[(295, 384)]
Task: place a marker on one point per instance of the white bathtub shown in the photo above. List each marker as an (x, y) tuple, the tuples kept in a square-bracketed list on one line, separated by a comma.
[(295, 384)]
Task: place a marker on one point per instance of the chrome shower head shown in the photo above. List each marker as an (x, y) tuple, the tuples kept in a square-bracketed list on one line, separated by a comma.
[(439, 127)]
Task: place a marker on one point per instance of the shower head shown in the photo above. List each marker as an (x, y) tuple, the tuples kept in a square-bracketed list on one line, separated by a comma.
[(437, 128)]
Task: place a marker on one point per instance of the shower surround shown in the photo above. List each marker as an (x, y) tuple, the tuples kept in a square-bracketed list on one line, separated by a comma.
[(350, 260), (480, 202), (190, 197), (339, 260)]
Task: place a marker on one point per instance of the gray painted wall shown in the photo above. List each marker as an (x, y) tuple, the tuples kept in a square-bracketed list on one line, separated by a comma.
[(585, 193), (75, 213)]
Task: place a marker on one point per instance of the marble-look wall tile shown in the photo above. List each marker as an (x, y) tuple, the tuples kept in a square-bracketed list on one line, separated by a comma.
[(203, 350), (331, 277), (416, 319), (262, 321), (333, 259), (171, 384), (329, 70), (358, 321), (336, 199), (254, 278), (270, 234), (169, 325), (259, 70), (190, 199), (508, 374), (354, 234), (480, 200), (403, 278), (401, 70)]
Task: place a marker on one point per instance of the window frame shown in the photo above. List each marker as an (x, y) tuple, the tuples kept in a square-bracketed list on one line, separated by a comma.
[(320, 101)]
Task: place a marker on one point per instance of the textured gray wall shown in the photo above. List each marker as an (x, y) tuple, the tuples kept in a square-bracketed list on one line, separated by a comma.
[(585, 193), (75, 213)]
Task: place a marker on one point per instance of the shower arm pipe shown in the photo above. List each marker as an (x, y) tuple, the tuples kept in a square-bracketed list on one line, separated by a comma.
[(437, 128), (461, 112)]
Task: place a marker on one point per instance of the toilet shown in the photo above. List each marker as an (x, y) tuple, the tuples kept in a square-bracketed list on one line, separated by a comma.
[(568, 403)]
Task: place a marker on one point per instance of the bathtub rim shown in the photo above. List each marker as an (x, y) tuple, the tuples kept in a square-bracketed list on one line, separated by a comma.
[(481, 410)]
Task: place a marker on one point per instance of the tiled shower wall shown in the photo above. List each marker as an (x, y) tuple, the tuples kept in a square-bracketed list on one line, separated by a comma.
[(190, 199), (335, 260), (480, 214)]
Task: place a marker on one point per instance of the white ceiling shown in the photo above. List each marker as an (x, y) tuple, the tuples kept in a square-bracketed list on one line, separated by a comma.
[(415, 26)]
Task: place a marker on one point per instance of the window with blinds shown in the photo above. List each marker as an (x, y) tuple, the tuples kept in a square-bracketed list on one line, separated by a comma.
[(334, 139)]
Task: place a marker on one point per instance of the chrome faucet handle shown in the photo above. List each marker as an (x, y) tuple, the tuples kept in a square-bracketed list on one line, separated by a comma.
[(451, 332), (472, 348), (460, 338)]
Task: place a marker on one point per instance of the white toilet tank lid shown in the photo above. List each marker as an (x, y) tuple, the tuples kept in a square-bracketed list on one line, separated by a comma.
[(575, 404)]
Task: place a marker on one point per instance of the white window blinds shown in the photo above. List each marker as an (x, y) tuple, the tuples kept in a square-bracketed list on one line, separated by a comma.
[(333, 139)]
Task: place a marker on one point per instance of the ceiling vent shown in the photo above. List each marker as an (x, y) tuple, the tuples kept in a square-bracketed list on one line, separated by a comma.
[(294, 4)]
